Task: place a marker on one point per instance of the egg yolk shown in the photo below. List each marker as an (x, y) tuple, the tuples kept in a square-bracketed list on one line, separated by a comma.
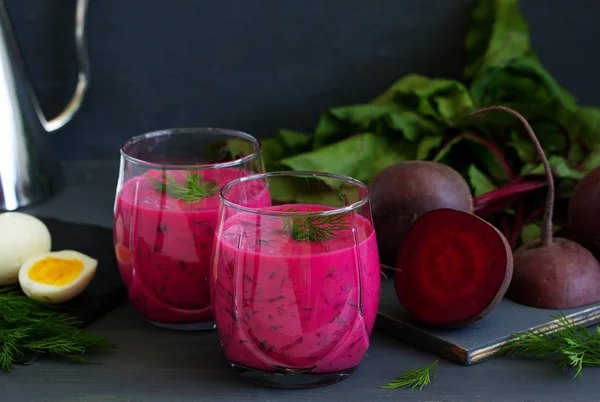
[(55, 271)]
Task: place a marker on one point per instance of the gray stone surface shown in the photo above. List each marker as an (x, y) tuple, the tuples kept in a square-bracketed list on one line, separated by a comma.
[(159, 365)]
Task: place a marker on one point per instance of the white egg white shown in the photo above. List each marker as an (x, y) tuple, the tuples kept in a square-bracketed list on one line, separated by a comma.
[(54, 294), (22, 236)]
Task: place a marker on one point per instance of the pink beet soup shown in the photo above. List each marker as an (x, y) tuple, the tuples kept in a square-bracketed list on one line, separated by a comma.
[(163, 245), (283, 303)]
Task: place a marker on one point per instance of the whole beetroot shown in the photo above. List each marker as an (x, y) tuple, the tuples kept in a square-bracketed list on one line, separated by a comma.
[(562, 276), (402, 193), (550, 273), (584, 212)]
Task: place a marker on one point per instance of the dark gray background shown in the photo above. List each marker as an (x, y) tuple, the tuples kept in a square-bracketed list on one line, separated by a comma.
[(258, 65)]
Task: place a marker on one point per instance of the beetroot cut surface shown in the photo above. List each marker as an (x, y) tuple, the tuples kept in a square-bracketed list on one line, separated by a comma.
[(454, 268)]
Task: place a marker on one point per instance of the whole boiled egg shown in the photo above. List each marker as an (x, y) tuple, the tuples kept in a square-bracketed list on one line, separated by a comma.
[(56, 277), (22, 236)]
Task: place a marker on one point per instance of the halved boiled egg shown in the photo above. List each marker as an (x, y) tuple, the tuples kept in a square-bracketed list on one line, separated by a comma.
[(22, 236), (56, 277)]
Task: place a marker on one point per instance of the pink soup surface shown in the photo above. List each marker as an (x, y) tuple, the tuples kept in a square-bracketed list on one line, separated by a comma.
[(282, 303), (164, 244)]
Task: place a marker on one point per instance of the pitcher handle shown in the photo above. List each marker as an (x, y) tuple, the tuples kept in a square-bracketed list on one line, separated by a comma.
[(83, 74)]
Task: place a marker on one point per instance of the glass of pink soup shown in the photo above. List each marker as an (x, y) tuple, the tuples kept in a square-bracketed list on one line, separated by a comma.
[(165, 217), (295, 285)]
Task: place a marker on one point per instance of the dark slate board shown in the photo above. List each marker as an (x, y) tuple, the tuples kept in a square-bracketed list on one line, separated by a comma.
[(106, 290), (480, 341)]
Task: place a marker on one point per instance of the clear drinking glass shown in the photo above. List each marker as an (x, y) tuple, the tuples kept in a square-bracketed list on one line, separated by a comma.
[(165, 216), (295, 285)]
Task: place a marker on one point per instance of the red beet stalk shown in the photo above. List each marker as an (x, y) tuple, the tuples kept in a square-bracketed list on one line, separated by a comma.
[(501, 198)]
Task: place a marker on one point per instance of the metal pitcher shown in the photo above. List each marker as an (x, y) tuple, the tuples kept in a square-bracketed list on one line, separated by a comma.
[(29, 170)]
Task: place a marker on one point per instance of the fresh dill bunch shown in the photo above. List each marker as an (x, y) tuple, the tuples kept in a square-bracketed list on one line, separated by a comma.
[(27, 327), (570, 345), (418, 378), (193, 190), (316, 228)]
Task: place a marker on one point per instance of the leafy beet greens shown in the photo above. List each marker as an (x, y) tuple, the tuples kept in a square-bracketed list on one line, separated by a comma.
[(424, 118)]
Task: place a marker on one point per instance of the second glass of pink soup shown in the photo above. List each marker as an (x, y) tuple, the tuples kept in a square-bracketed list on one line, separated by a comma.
[(295, 284), (165, 217)]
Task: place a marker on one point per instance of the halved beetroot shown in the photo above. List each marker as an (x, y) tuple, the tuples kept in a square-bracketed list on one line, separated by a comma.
[(453, 268)]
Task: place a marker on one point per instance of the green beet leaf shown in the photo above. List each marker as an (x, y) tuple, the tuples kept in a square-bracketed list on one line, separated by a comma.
[(442, 100), (503, 69), (522, 146), (428, 146), (295, 140), (331, 129), (561, 169), (553, 138), (461, 151), (361, 156), (584, 129), (287, 143), (498, 34), (382, 119), (530, 232), (411, 125), (479, 182), (416, 109), (239, 147), (273, 150), (523, 82), (592, 161), (312, 191)]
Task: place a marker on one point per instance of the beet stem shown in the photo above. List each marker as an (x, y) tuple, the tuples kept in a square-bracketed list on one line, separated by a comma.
[(563, 131), (546, 236), (506, 192), (491, 209)]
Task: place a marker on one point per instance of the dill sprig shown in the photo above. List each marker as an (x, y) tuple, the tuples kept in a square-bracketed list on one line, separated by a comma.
[(418, 378), (316, 228), (29, 327), (571, 345), (193, 190)]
